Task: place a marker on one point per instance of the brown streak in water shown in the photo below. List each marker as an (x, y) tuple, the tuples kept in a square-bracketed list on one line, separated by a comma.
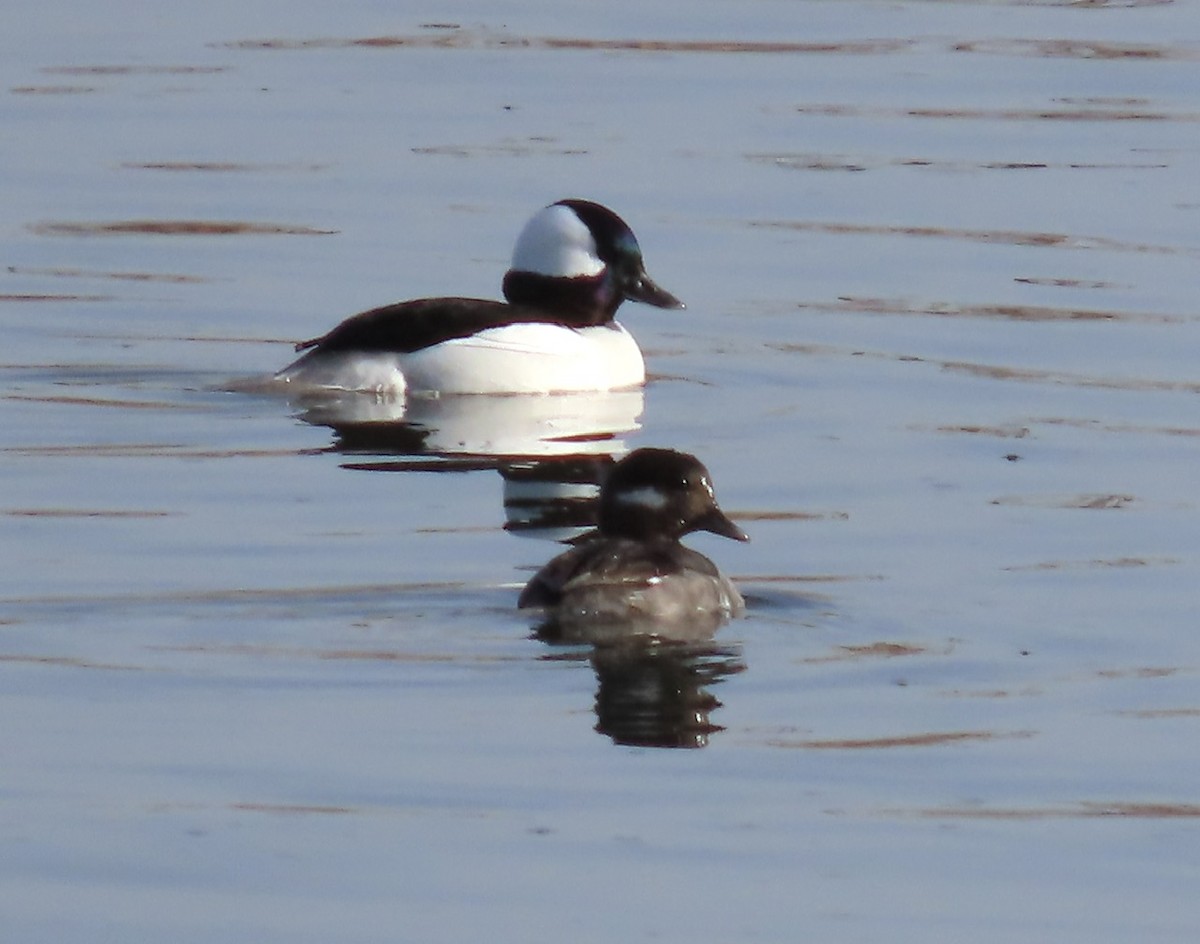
[(480, 39), (1186, 431), (98, 401), (457, 464), (175, 228), (1085, 810), (56, 298), (85, 513), (1094, 112), (996, 372), (292, 809), (1114, 562), (242, 595), (1162, 713), (839, 162), (790, 515), (68, 662), (219, 166), (190, 339), (1031, 313), (810, 161), (151, 450), (1004, 237), (133, 70), (1000, 432), (511, 150), (461, 529), (875, 650), (807, 578), (1068, 283), (1028, 691), (52, 89), (1145, 672), (931, 739), (861, 47), (1078, 49), (456, 38), (1107, 4), (333, 655), (383, 655), (1087, 501), (123, 276)]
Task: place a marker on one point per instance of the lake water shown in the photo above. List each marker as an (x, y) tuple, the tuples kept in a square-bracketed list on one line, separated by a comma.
[(261, 673)]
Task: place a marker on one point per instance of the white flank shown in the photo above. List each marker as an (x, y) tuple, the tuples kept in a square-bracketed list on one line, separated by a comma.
[(556, 242), (519, 358), (529, 358), (381, 374)]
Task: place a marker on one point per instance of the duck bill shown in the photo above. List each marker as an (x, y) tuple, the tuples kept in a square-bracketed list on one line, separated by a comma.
[(645, 290), (718, 522)]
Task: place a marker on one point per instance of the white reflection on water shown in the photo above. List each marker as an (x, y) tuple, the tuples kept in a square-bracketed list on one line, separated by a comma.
[(513, 426)]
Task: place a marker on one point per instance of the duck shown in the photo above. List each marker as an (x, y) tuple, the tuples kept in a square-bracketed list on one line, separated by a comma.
[(632, 569), (574, 264)]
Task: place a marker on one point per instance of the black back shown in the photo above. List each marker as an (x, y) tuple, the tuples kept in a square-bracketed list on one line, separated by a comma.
[(413, 325)]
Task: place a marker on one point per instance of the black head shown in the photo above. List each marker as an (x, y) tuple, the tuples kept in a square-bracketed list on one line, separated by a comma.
[(618, 248), (580, 256), (661, 494)]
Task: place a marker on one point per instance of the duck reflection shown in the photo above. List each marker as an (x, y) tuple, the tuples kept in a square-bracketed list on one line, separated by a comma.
[(551, 451), (549, 426), (653, 692)]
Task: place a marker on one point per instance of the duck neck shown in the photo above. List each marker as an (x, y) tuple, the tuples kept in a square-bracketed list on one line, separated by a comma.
[(581, 301)]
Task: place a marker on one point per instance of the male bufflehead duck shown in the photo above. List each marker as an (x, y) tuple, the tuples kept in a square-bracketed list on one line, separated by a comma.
[(575, 262), (633, 568)]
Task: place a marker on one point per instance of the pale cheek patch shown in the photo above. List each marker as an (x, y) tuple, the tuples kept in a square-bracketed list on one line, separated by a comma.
[(556, 242), (650, 498)]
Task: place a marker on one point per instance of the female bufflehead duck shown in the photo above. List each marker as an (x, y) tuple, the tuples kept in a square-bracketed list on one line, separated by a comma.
[(633, 568), (574, 264)]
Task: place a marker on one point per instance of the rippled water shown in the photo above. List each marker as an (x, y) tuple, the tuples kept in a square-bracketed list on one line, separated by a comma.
[(261, 669)]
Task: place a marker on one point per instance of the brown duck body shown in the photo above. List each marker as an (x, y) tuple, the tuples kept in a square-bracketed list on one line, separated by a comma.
[(633, 569)]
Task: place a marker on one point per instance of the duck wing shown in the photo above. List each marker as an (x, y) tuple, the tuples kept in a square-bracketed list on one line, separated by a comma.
[(410, 326), (610, 562)]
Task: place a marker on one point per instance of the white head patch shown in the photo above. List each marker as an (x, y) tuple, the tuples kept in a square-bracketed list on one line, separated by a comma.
[(646, 497), (556, 242)]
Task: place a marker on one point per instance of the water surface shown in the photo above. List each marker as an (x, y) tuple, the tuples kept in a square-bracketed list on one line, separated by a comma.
[(262, 674)]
